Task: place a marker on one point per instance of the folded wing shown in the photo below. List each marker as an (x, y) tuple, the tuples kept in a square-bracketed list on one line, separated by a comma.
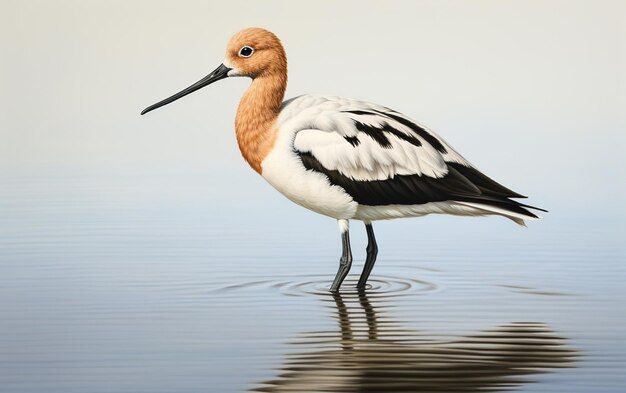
[(381, 157)]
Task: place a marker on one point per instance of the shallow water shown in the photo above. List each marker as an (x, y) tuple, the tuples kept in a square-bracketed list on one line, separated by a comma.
[(163, 284)]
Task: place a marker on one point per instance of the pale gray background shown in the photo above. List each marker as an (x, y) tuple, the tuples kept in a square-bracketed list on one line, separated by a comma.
[(532, 92)]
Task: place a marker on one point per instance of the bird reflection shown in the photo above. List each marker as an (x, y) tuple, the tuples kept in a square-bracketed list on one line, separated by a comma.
[(373, 353)]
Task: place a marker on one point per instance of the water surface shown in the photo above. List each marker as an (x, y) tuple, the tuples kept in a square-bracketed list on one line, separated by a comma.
[(164, 284)]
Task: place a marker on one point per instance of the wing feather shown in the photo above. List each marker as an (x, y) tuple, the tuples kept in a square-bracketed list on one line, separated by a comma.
[(381, 157)]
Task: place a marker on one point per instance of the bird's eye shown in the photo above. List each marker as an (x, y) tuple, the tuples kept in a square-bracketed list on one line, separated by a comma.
[(246, 51)]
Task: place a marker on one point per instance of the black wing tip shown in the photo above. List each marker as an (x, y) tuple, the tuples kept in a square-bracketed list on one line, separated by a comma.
[(533, 207)]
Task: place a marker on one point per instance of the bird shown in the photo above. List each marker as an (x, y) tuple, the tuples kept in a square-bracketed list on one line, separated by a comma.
[(344, 158)]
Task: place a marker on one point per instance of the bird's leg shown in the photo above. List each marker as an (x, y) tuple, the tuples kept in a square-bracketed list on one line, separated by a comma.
[(372, 252), (346, 256)]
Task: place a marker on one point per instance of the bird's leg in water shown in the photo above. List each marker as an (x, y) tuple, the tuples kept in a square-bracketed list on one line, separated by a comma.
[(346, 256), (372, 252)]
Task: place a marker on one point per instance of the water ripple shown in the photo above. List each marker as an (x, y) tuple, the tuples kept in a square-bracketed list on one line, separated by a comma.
[(377, 287)]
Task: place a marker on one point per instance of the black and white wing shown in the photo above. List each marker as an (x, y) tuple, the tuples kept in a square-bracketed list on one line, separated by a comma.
[(380, 157)]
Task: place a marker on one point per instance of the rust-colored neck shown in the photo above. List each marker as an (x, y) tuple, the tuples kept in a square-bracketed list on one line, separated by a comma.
[(255, 125)]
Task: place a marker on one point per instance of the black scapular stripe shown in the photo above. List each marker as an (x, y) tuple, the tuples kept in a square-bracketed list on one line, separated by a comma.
[(353, 140), (375, 133), (461, 184), (428, 137)]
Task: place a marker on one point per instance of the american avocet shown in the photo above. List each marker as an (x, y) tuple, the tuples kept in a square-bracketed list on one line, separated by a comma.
[(344, 158)]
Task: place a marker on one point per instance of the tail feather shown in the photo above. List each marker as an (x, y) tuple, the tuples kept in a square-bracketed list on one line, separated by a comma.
[(493, 197), (510, 209)]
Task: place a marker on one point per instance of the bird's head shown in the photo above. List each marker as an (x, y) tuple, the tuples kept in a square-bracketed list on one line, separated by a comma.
[(255, 52), (252, 52)]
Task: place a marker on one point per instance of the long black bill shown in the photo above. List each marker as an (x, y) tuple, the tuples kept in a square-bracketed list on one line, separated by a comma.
[(220, 72)]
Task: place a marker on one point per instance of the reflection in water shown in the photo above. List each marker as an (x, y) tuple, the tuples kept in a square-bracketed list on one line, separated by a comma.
[(372, 353)]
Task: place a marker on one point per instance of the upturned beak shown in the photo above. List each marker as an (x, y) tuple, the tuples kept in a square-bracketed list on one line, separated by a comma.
[(220, 72)]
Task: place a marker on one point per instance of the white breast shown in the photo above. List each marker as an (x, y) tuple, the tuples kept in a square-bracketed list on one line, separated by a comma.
[(284, 171)]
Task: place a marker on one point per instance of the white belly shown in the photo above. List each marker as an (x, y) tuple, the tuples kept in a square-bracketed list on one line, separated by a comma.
[(285, 172)]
